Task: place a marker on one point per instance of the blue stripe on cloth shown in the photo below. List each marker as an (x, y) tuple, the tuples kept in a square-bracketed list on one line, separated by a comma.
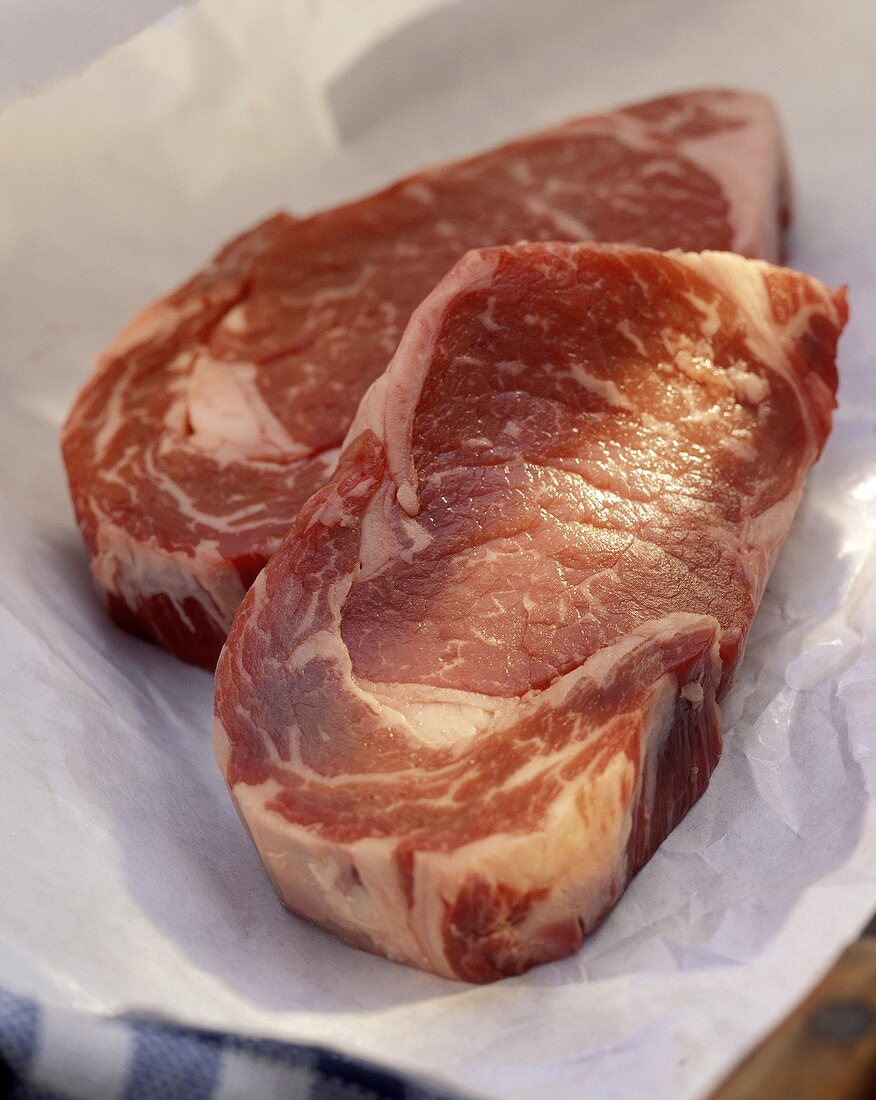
[(19, 1035), (19, 1027), (380, 1083), (169, 1062)]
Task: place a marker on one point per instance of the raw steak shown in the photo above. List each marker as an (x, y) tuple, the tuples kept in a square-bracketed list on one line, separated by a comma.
[(479, 683), (220, 409)]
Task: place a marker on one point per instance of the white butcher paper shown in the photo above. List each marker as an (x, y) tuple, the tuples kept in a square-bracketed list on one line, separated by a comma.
[(128, 884), (44, 40)]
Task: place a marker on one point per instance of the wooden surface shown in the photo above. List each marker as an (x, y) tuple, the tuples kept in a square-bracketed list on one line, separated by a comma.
[(826, 1050)]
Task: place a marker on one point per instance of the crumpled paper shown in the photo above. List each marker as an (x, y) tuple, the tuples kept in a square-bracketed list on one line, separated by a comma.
[(128, 883)]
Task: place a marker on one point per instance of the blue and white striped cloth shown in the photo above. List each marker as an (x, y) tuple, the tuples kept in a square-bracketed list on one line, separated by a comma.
[(51, 1054)]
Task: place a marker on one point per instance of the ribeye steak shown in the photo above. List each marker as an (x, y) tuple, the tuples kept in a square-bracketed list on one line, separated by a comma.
[(219, 410), (479, 682)]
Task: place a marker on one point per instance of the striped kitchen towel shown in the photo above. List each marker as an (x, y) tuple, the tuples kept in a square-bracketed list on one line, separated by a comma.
[(54, 1054)]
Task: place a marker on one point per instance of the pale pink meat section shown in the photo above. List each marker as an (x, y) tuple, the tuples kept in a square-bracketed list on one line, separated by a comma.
[(219, 409), (480, 681)]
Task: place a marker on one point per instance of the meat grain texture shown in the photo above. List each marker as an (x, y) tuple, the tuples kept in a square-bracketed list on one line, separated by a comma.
[(479, 683), (219, 409)]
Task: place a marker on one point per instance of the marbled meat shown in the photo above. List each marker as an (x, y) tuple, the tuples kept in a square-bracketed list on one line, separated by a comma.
[(219, 409), (479, 683)]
